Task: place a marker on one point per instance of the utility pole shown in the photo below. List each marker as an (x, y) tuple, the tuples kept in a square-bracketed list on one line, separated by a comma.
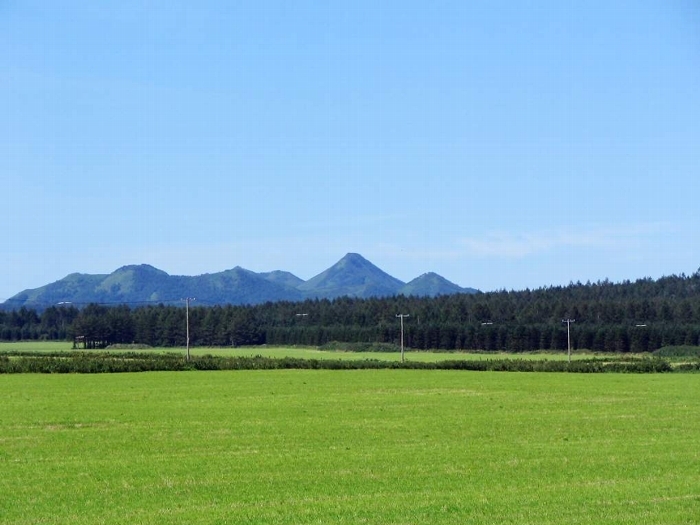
[(401, 316), (568, 333), (187, 319)]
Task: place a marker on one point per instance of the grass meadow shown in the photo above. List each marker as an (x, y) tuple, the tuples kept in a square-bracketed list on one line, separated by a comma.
[(367, 446), (307, 352)]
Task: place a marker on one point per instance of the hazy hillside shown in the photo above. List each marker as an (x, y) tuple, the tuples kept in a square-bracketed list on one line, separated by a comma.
[(352, 276), (431, 285), (280, 277)]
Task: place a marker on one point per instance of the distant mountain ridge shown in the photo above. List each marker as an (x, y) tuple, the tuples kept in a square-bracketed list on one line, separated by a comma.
[(351, 276)]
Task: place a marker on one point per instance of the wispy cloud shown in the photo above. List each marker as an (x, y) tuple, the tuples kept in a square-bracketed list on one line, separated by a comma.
[(519, 245)]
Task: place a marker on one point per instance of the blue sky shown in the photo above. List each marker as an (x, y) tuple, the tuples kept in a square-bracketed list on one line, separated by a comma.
[(507, 144)]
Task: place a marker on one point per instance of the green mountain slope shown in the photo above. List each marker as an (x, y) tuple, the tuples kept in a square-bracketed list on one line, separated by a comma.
[(280, 277), (431, 285), (146, 284), (352, 276)]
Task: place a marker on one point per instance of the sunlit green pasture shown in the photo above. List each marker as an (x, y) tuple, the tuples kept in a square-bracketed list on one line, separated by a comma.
[(370, 446), (306, 352)]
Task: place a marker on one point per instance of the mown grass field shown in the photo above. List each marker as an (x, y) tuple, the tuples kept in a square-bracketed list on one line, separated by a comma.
[(306, 352), (370, 446)]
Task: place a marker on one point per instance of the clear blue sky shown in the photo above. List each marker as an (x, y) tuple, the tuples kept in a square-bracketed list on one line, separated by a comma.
[(501, 144)]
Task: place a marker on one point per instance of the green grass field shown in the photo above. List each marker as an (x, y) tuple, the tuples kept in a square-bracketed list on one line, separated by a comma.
[(371, 446), (306, 352)]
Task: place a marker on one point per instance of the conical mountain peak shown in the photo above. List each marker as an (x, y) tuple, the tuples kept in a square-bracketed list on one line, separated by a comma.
[(352, 276)]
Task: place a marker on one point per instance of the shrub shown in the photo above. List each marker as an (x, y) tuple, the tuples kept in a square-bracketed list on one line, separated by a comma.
[(106, 362), (678, 351)]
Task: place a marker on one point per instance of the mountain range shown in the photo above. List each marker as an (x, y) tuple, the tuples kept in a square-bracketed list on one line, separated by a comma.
[(351, 276)]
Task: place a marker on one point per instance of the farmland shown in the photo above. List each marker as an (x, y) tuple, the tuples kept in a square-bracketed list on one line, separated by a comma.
[(308, 352), (372, 446)]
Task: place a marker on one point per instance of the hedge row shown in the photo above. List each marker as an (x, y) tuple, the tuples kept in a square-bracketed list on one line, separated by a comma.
[(95, 363), (678, 351)]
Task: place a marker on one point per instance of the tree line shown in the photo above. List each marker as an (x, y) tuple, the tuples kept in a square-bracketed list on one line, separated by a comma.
[(635, 316)]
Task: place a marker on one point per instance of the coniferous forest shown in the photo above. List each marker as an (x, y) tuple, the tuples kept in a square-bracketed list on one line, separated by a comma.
[(639, 316)]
